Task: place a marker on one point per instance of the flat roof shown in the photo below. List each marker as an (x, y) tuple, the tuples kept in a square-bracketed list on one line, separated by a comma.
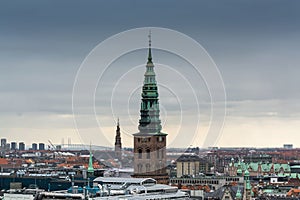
[(123, 180)]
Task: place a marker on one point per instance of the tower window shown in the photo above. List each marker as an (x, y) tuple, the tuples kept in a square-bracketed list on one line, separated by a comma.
[(148, 153), (148, 168), (140, 168), (140, 153), (160, 138)]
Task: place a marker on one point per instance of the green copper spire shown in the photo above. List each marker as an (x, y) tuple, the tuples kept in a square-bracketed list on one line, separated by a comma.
[(149, 51), (238, 194), (247, 179), (239, 169), (149, 122), (91, 168)]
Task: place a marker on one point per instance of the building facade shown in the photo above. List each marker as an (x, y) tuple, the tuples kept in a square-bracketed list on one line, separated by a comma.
[(191, 166), (150, 142), (257, 169)]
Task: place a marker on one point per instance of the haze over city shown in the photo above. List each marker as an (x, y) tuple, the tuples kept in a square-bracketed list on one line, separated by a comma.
[(254, 45)]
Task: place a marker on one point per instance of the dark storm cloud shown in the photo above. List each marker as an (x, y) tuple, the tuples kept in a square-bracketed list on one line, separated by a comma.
[(254, 43)]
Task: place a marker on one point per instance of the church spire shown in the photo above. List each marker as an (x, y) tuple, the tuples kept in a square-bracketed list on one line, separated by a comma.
[(149, 122), (91, 168), (149, 50), (118, 143)]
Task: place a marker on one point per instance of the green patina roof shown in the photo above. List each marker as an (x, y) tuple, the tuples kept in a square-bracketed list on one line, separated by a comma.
[(238, 194), (266, 167), (246, 173), (268, 191), (295, 167), (149, 113), (248, 185), (293, 175), (253, 166)]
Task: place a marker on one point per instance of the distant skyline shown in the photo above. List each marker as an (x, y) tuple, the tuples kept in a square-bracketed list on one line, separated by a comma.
[(255, 45)]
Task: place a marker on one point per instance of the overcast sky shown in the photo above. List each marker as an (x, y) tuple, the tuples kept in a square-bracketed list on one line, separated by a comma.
[(255, 45)]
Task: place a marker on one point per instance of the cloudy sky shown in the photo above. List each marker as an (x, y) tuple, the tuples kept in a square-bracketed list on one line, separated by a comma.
[(254, 44)]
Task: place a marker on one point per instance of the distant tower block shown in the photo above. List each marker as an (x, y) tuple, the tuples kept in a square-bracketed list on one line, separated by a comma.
[(118, 143), (150, 142), (34, 146), (41, 146), (13, 145), (21, 146)]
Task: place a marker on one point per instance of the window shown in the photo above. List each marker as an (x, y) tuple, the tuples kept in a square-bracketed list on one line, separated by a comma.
[(148, 168), (148, 153), (160, 139), (140, 168), (140, 153)]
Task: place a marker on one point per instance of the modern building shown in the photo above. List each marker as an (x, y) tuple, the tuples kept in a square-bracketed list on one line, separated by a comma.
[(21, 146), (137, 188), (288, 146), (150, 142), (3, 143), (41, 146), (118, 143), (13, 145), (34, 146)]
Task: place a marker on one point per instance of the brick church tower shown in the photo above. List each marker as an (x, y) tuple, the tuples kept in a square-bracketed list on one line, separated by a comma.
[(150, 142)]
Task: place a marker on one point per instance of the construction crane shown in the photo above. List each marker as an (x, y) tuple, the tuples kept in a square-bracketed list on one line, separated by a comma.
[(53, 146)]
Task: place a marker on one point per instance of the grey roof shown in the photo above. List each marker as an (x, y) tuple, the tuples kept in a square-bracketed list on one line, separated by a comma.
[(188, 158), (219, 193), (121, 180), (177, 195)]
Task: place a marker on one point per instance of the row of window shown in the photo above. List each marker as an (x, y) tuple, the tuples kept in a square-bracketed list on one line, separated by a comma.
[(194, 181), (158, 139), (149, 88), (159, 153), (159, 168)]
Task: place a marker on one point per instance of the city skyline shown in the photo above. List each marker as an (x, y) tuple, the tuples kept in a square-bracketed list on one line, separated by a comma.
[(254, 45)]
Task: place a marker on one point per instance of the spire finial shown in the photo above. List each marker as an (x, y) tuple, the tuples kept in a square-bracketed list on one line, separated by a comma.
[(149, 36), (118, 123), (149, 53)]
